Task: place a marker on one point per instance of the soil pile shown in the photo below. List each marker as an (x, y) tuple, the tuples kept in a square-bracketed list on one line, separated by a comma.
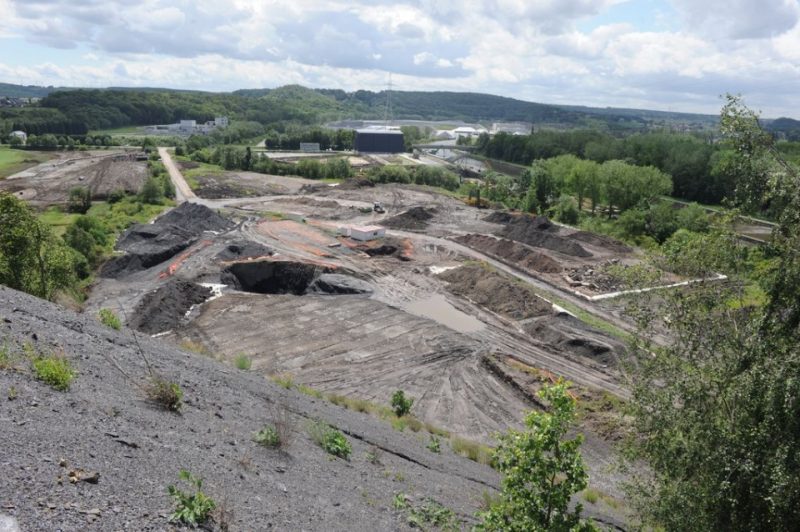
[(572, 336), (163, 309), (499, 217), (513, 252), (335, 283), (195, 218), (601, 241), (244, 249), (414, 219), (355, 183), (380, 251), (538, 231), (147, 245), (495, 291), (105, 425)]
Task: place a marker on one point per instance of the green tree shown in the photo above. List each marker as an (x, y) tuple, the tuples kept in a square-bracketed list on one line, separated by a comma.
[(717, 409), (80, 200), (32, 259), (152, 191), (542, 469)]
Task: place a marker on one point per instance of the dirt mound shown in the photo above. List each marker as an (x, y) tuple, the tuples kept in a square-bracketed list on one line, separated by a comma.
[(514, 252), (538, 231), (380, 251), (147, 245), (335, 283), (163, 309), (414, 219), (542, 223), (495, 291), (601, 241), (573, 336), (244, 249), (195, 218), (355, 183)]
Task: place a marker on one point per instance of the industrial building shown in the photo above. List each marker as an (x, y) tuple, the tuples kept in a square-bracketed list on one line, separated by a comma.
[(379, 141)]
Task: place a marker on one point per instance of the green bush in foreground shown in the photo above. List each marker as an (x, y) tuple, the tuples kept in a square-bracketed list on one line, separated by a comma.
[(166, 394), (109, 319), (541, 471), (54, 370), (330, 439), (191, 508)]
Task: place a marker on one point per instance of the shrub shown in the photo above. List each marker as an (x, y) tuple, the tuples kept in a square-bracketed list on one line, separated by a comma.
[(434, 444), (330, 439), (54, 370), (165, 393), (243, 362), (268, 437), (284, 381), (109, 319), (191, 508), (400, 404), (80, 200)]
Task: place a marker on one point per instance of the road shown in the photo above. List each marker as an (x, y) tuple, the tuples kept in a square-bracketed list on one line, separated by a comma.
[(183, 192)]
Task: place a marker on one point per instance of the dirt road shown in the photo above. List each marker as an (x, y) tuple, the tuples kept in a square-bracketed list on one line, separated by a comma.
[(182, 190)]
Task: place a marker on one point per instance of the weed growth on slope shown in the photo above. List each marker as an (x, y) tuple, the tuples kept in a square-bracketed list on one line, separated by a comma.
[(330, 439), (54, 370), (164, 393), (191, 507), (109, 319)]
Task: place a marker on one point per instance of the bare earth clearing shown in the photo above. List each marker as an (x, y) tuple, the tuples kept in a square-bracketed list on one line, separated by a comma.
[(437, 308)]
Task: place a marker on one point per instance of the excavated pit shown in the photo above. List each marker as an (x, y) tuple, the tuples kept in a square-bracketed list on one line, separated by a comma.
[(288, 277)]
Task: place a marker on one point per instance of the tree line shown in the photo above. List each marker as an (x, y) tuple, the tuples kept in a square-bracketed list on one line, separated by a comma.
[(700, 168)]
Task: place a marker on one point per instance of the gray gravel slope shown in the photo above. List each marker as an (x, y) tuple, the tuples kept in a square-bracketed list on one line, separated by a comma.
[(104, 424)]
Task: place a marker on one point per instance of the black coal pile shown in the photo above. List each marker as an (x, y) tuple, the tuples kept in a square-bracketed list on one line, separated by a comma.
[(163, 309), (147, 245), (414, 219), (288, 277), (244, 249), (380, 251), (538, 231)]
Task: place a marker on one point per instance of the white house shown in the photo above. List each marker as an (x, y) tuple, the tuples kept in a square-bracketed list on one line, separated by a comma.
[(367, 232), (21, 135)]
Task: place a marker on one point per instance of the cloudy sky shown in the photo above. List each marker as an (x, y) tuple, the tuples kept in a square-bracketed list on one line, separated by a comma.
[(678, 55)]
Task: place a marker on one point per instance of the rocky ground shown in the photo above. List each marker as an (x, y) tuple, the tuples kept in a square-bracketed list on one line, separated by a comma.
[(104, 430)]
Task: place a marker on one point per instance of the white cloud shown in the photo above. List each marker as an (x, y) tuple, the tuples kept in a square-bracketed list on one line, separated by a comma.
[(533, 49)]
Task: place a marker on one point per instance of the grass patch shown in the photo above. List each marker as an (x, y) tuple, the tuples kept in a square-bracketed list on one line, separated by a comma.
[(164, 393), (194, 347), (109, 319), (330, 439), (243, 362), (307, 390), (13, 161), (429, 513), (6, 358), (472, 450), (284, 381), (591, 495), (54, 370)]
